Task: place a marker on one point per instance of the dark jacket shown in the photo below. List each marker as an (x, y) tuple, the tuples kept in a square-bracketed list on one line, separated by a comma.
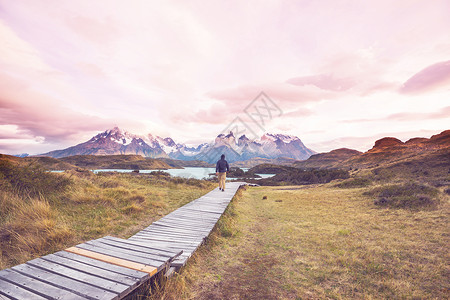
[(222, 166)]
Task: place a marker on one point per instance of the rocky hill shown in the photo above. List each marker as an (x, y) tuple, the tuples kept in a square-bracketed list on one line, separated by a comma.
[(332, 159), (390, 157)]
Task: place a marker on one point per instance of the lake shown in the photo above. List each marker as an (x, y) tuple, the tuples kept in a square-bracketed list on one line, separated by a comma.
[(188, 172)]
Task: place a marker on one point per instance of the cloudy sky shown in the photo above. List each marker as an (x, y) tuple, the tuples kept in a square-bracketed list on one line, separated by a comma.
[(344, 73)]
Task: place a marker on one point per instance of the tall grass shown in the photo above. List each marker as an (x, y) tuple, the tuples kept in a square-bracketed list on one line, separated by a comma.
[(30, 180), (43, 212)]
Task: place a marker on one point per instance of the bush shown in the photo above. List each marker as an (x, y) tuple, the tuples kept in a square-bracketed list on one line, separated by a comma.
[(31, 180), (409, 195), (297, 176), (354, 183)]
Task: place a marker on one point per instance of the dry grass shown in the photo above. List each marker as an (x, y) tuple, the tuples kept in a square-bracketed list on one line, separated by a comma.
[(91, 206), (320, 242)]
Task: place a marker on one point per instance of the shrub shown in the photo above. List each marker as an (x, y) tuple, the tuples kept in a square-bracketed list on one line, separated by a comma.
[(298, 176), (354, 183), (408, 195), (31, 180)]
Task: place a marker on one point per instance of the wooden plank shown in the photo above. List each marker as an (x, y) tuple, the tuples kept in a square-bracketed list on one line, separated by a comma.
[(158, 228), (133, 250), (107, 285), (183, 226), (164, 255), (207, 206), (73, 285), (172, 233), (184, 211), (114, 260), (180, 225), (12, 291), (175, 246), (36, 286), (117, 254), (165, 228), (192, 218), (170, 237), (92, 270), (138, 275), (190, 221), (198, 223), (171, 242), (196, 211), (152, 260), (205, 210), (4, 297), (151, 247)]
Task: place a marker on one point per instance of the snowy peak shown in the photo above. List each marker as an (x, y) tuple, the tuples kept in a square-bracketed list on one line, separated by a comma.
[(281, 137), (116, 135), (167, 144), (228, 139), (118, 141)]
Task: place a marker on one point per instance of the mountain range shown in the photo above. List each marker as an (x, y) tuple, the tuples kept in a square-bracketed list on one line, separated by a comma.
[(116, 141)]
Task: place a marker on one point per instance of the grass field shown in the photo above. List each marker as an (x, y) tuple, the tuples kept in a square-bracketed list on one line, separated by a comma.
[(315, 242), (44, 212)]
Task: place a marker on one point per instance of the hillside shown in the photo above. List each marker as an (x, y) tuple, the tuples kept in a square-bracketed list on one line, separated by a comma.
[(389, 151), (48, 163), (332, 159), (386, 151)]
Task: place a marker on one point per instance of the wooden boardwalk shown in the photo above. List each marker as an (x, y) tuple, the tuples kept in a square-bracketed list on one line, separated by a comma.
[(111, 268)]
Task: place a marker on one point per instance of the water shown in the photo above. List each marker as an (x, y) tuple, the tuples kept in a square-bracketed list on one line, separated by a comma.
[(188, 172)]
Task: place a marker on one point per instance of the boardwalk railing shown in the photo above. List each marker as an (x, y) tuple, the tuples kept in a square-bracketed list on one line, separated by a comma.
[(111, 268)]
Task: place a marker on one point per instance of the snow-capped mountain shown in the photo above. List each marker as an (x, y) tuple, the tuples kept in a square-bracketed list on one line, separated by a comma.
[(114, 141), (268, 146), (117, 141)]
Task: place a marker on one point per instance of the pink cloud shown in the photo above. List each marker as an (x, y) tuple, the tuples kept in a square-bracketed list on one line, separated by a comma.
[(407, 116), (216, 114), (230, 103), (299, 112), (443, 113), (97, 31), (40, 118), (281, 93), (324, 81), (432, 77), (365, 143)]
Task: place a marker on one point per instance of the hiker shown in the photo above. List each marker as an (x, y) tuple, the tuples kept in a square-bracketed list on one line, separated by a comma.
[(221, 171)]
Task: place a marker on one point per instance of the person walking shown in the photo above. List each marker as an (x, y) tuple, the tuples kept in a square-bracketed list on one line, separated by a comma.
[(221, 171)]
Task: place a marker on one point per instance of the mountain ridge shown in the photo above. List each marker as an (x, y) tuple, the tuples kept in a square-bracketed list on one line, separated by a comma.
[(116, 141)]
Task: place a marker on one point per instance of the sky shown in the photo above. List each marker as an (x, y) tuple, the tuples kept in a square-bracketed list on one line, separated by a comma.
[(343, 73)]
